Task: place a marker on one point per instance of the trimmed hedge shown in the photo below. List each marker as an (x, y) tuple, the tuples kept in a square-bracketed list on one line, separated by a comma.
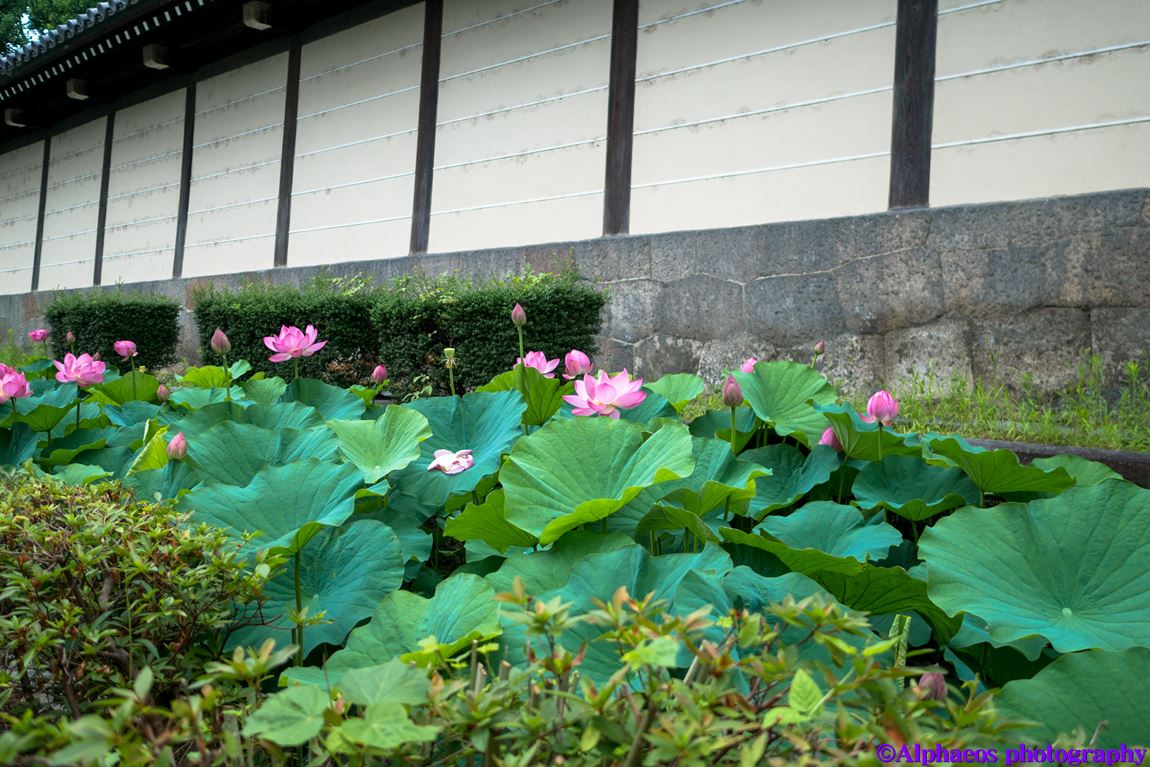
[(98, 320), (420, 317), (407, 326)]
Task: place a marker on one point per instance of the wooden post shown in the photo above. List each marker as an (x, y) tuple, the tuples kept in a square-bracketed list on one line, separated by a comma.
[(915, 41), (41, 210), (185, 180), (620, 118), (287, 158), (102, 214), (428, 111)]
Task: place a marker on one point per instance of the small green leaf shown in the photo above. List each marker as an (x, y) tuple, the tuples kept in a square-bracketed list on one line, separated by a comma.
[(386, 726), (677, 388), (391, 682), (662, 651), (804, 696), (289, 718)]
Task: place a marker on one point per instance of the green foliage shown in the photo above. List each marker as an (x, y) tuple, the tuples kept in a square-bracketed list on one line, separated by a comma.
[(96, 585), (21, 21), (101, 318), (420, 317)]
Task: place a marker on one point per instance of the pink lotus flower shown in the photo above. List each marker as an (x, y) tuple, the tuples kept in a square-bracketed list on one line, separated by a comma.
[(451, 463), (576, 364), (220, 343), (13, 385), (732, 392), (518, 316), (38, 335), (5, 370), (178, 447), (539, 361), (379, 375), (126, 349), (882, 407), (606, 395), (82, 370), (293, 343), (748, 365), (831, 440)]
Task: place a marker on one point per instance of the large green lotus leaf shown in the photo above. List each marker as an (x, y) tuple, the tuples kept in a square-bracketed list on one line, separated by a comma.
[(974, 632), (130, 387), (64, 450), (1074, 569), (17, 444), (580, 470), (462, 610), (79, 474), (995, 471), (287, 415), (720, 480), (332, 402), (91, 417), (291, 717), (677, 388), (131, 413), (153, 454), (542, 571), (387, 444), (487, 522), (1083, 471), (289, 504), (748, 590), (170, 481), (233, 453), (793, 475), (264, 391), (866, 441), (1081, 690), (716, 424), (858, 585), (344, 572), (784, 394), (49, 403), (195, 399), (841, 531), (205, 377), (486, 423), (914, 490), (544, 395)]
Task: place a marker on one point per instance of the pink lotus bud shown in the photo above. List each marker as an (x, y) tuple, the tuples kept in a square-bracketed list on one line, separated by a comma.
[(70, 338), (831, 440), (38, 335), (163, 393), (820, 348), (126, 349), (379, 375), (931, 686), (882, 407), (732, 392), (178, 447), (518, 316), (220, 343), (748, 365), (577, 364)]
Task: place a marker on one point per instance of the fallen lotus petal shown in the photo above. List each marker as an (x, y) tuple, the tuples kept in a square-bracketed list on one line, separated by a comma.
[(451, 462)]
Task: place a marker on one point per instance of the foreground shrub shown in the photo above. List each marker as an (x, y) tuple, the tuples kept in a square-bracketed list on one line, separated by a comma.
[(98, 320), (96, 585), (801, 682)]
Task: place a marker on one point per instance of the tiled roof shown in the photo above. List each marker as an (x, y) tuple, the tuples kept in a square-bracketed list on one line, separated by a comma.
[(54, 38)]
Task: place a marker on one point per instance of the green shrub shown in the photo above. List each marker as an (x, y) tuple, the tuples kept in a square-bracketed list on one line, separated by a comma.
[(420, 317), (95, 585), (100, 319)]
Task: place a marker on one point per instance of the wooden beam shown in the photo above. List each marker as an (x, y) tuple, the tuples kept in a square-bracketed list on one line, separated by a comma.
[(287, 156), (41, 210), (620, 118), (428, 110), (916, 36), (185, 180), (102, 214)]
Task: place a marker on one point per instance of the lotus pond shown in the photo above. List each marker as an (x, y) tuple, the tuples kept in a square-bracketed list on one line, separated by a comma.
[(388, 530)]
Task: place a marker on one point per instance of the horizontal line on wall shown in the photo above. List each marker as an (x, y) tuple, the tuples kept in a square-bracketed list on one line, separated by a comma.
[(524, 105), (528, 201), (1043, 60), (525, 153), (237, 169), (229, 240), (349, 184), (18, 219), (24, 169), (359, 142), (241, 134), (145, 190), (27, 193), (767, 169), (526, 57), (343, 67), (149, 129), (15, 269), (689, 14), (230, 205), (135, 253), (73, 180), (328, 227), (73, 262), (503, 17), (1043, 132), (358, 102), (145, 160), (241, 100), (139, 222), (801, 43), (70, 235), (58, 158), (22, 243)]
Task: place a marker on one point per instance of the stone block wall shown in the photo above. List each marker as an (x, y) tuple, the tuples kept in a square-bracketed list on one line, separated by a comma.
[(1019, 290)]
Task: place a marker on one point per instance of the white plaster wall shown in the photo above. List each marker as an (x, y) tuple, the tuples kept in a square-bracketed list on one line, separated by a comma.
[(19, 205), (235, 169), (144, 190), (753, 111), (68, 253), (519, 153), (1041, 97), (355, 142)]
